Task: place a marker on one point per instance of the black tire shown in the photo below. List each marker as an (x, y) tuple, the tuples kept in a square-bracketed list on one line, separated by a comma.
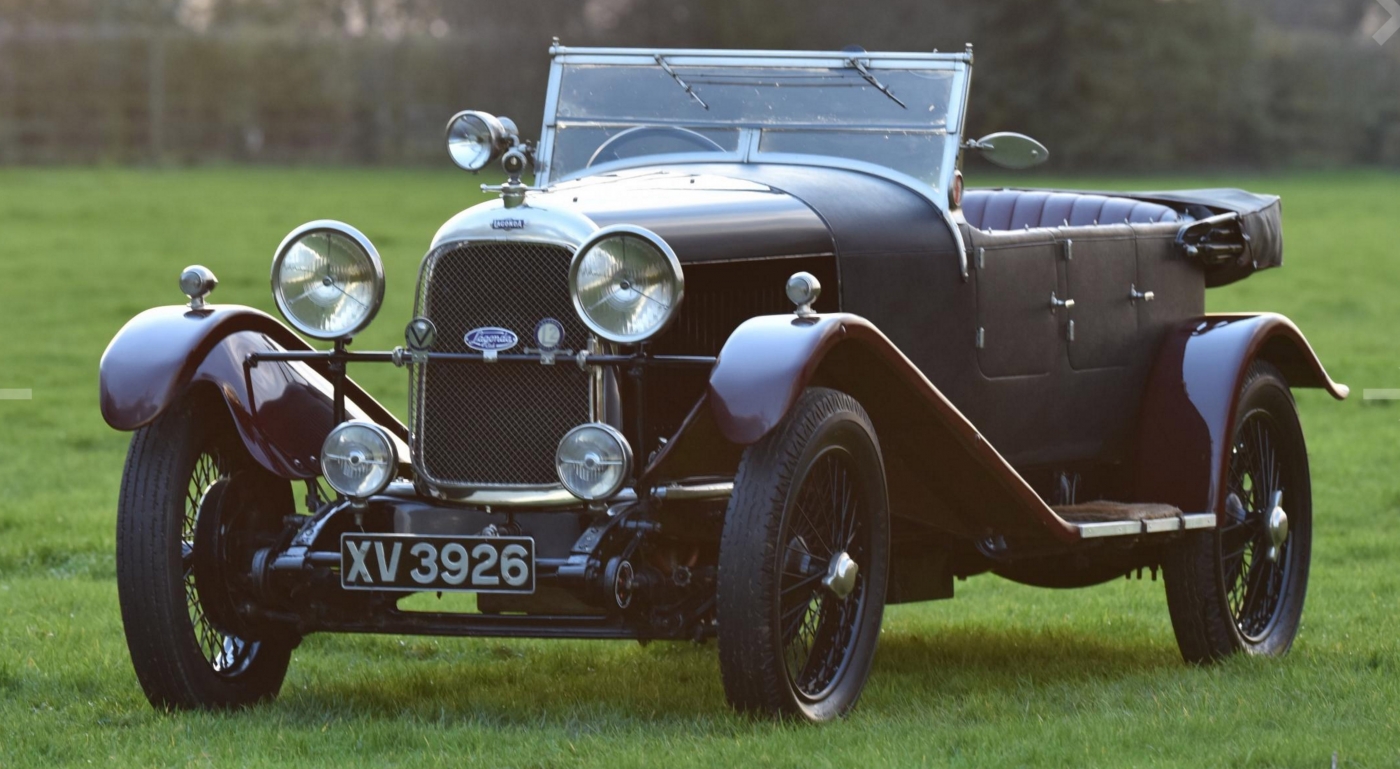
[(818, 476), (192, 502), (1225, 595)]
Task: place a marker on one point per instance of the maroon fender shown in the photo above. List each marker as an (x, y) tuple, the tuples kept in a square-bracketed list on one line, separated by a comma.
[(1189, 406), (283, 411), (697, 449), (940, 468)]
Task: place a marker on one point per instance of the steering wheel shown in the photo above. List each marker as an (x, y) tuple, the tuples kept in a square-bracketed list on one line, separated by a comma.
[(612, 149)]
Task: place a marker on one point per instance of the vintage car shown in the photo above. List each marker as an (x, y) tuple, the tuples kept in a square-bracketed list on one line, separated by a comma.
[(746, 362)]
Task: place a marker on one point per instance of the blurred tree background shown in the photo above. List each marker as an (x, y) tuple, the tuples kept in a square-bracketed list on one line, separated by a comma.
[(1124, 85)]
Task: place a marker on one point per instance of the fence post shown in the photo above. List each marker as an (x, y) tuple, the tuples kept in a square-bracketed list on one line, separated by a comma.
[(8, 118), (155, 98)]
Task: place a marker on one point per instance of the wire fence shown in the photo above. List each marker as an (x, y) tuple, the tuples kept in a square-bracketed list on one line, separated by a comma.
[(1170, 90), (131, 94)]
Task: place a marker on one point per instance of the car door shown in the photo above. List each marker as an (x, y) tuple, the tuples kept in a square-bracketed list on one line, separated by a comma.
[(1018, 328), (1100, 273)]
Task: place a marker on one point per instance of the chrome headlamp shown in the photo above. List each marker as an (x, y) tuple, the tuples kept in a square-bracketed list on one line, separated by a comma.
[(475, 138), (626, 283), (358, 459), (593, 461), (327, 280)]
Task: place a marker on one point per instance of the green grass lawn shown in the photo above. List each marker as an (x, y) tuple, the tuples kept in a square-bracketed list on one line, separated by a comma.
[(1002, 675)]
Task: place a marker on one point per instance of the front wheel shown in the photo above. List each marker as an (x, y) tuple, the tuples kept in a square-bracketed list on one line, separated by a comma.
[(194, 507), (803, 563), (1240, 587)]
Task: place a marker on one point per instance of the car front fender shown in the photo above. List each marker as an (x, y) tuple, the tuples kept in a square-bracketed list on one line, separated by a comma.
[(1192, 394), (283, 411), (940, 468)]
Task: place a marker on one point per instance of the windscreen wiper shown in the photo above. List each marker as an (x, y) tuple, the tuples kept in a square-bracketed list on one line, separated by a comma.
[(667, 67), (869, 78)]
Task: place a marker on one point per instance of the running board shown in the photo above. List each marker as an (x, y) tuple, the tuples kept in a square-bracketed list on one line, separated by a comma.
[(1118, 519)]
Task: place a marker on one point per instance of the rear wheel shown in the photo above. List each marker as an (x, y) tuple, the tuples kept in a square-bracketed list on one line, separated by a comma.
[(1240, 587), (803, 563), (194, 507)]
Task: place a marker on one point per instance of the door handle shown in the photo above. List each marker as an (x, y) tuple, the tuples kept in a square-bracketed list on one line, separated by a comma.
[(1134, 294), (1056, 302)]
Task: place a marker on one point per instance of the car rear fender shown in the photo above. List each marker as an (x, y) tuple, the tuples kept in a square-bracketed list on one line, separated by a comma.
[(940, 468), (283, 411), (1189, 406)]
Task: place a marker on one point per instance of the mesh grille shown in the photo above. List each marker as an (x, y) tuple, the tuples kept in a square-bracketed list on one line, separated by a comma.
[(479, 424)]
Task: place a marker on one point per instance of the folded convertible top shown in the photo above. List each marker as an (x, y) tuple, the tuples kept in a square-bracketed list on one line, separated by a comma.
[(1259, 224)]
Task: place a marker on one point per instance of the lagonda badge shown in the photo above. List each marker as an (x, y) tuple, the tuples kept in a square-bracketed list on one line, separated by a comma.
[(491, 339)]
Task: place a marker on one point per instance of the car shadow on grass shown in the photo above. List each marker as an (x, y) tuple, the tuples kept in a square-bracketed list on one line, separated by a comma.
[(990, 659), (505, 683)]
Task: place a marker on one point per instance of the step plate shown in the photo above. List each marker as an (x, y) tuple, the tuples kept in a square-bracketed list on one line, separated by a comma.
[(1132, 528)]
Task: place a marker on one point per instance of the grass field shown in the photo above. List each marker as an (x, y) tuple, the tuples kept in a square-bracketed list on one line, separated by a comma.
[(1002, 675)]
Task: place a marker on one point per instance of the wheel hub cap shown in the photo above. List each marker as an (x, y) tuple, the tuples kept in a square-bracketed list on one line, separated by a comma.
[(840, 576), (1278, 526)]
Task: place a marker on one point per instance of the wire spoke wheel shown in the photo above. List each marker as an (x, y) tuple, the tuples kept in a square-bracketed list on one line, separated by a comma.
[(227, 655), (803, 563), (194, 507), (1253, 581), (1241, 586), (818, 627)]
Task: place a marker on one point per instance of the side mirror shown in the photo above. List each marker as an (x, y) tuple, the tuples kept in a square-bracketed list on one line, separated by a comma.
[(474, 139), (1011, 150)]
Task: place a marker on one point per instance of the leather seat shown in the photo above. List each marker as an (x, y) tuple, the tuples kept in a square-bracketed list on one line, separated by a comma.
[(1019, 209)]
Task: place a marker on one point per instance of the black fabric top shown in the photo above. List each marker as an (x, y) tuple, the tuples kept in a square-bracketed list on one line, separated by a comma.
[(1260, 220), (1219, 199)]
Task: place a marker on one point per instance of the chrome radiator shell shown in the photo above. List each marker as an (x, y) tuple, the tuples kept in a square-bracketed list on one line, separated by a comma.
[(493, 426)]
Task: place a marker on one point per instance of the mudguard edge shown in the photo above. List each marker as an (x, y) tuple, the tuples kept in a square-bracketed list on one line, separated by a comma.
[(1192, 393), (769, 360), (283, 411)]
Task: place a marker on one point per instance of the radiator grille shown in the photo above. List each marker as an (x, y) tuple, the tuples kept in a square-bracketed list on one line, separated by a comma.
[(718, 297), (477, 424)]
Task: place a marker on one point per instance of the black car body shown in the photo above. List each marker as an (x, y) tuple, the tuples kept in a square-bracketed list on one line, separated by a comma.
[(1016, 381)]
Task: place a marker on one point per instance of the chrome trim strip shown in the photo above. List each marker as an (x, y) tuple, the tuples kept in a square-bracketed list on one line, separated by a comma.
[(741, 260), (545, 225), (1157, 525), (1184, 522), (555, 498), (1109, 529), (740, 126), (677, 492), (597, 382), (1198, 521), (781, 58), (814, 60), (544, 152)]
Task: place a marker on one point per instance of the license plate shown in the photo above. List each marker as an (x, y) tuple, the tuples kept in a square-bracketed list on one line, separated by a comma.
[(413, 562)]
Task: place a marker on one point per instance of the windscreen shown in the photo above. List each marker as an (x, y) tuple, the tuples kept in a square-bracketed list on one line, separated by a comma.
[(897, 118)]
